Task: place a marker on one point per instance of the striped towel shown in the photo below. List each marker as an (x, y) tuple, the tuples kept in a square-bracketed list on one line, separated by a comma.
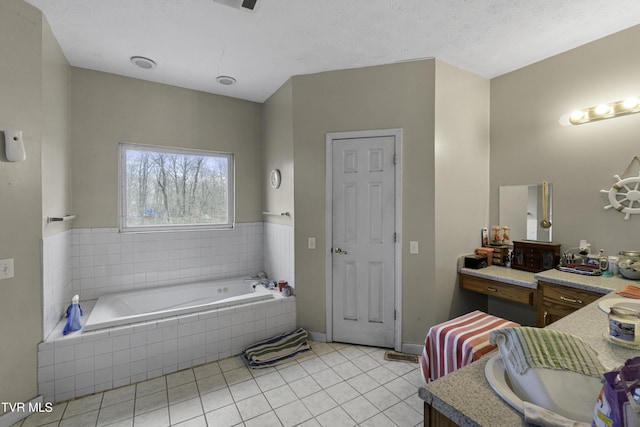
[(544, 348), (277, 349), (458, 342), (630, 291)]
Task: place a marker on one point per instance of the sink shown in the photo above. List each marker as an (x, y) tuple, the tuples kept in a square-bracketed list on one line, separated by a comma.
[(565, 393)]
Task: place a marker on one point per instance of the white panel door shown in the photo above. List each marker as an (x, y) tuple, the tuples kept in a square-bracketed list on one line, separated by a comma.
[(363, 254)]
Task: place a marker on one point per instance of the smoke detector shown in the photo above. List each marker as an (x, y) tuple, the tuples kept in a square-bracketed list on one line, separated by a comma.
[(142, 62), (226, 80), (239, 4)]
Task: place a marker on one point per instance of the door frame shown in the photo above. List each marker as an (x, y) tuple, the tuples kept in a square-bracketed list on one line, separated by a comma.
[(330, 137)]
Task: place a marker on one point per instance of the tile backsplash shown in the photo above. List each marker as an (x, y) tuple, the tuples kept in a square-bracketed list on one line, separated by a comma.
[(92, 262)]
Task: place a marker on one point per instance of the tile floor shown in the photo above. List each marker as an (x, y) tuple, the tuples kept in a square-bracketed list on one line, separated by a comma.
[(334, 385)]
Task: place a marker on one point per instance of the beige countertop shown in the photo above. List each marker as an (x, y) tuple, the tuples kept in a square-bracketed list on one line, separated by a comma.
[(465, 397), (527, 279)]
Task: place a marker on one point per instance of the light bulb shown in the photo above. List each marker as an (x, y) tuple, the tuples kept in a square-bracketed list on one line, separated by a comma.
[(630, 103), (602, 109), (576, 116)]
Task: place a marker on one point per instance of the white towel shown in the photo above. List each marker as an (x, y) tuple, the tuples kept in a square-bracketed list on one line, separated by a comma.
[(537, 416)]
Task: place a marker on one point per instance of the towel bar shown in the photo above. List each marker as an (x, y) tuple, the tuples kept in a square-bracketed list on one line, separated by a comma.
[(61, 218), (277, 214)]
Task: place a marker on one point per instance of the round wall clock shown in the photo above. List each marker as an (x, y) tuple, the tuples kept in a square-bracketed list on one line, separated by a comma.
[(275, 178)]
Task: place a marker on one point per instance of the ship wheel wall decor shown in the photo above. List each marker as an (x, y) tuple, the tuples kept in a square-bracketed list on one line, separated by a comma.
[(624, 194)]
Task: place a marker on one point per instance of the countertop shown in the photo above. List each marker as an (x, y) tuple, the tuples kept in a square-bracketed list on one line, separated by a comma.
[(527, 279), (465, 397)]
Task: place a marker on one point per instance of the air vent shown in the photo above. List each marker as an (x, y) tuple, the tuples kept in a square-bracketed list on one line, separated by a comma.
[(239, 4)]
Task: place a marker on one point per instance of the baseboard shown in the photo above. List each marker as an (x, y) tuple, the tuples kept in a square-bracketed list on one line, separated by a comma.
[(317, 336), (412, 348), (16, 411)]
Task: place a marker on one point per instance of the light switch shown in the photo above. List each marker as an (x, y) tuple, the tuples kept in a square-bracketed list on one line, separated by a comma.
[(413, 247), (312, 243), (6, 268)]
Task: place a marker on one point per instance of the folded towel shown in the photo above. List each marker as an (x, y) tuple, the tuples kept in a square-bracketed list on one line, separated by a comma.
[(544, 348), (277, 349), (630, 291), (537, 416)]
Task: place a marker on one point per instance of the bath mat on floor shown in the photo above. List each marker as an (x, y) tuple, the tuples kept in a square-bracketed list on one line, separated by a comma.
[(276, 350), (400, 357)]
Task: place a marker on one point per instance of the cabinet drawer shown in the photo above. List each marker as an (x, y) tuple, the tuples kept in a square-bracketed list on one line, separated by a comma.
[(563, 296), (498, 289), (558, 301)]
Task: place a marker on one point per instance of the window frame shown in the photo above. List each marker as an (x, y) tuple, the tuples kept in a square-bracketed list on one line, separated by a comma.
[(122, 190)]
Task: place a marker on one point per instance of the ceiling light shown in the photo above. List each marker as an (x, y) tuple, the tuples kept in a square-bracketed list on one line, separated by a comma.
[(142, 62), (226, 80)]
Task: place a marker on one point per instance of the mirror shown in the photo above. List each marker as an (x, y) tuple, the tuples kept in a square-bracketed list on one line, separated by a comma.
[(521, 208)]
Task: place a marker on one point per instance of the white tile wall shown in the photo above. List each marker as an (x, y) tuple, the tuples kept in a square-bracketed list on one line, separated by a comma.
[(83, 363), (106, 261), (56, 279), (93, 262), (279, 252)]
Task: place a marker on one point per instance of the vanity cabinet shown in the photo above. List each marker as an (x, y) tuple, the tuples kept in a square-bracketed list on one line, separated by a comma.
[(498, 289), (556, 301)]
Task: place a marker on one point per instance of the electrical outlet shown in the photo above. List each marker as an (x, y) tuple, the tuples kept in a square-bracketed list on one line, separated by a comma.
[(312, 243), (6, 268), (413, 248)]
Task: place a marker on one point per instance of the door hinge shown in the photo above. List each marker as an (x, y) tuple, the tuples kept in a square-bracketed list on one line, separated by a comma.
[(395, 237), (395, 159), (394, 314)]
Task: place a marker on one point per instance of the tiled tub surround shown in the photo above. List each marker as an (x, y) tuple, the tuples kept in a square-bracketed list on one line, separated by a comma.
[(82, 363), (56, 279), (105, 261), (278, 252), (92, 262)]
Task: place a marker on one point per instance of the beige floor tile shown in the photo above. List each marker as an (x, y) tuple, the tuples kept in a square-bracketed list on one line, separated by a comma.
[(226, 416), (185, 410), (293, 414), (119, 395), (115, 413), (157, 418), (180, 378), (82, 420), (151, 402)]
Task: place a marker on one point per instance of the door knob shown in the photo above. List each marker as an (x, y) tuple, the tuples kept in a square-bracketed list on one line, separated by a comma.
[(340, 251)]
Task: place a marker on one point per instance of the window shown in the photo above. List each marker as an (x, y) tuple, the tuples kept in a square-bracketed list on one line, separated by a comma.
[(164, 188)]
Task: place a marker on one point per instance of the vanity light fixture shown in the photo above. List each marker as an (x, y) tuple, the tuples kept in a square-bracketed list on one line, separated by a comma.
[(605, 111)]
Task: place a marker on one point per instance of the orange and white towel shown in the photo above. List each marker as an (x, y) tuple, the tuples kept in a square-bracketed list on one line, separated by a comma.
[(458, 342), (630, 291)]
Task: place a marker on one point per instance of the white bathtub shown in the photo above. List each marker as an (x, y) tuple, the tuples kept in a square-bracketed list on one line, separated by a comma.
[(156, 303)]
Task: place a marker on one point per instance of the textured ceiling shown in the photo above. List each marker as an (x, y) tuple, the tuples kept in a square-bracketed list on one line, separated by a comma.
[(193, 41)]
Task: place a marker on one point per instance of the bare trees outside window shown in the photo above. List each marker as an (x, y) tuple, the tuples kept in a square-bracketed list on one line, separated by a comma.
[(163, 187)]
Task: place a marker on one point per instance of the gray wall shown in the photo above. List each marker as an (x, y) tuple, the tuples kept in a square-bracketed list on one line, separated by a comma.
[(34, 87), (277, 141), (391, 96), (108, 109), (529, 146)]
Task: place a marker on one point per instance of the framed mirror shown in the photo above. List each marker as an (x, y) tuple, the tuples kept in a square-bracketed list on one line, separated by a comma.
[(522, 209)]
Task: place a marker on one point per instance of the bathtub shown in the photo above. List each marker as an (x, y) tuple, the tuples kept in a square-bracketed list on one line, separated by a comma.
[(149, 304), (123, 348)]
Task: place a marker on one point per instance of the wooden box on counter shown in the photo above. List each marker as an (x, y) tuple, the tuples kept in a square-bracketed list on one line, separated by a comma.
[(499, 254), (530, 255)]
